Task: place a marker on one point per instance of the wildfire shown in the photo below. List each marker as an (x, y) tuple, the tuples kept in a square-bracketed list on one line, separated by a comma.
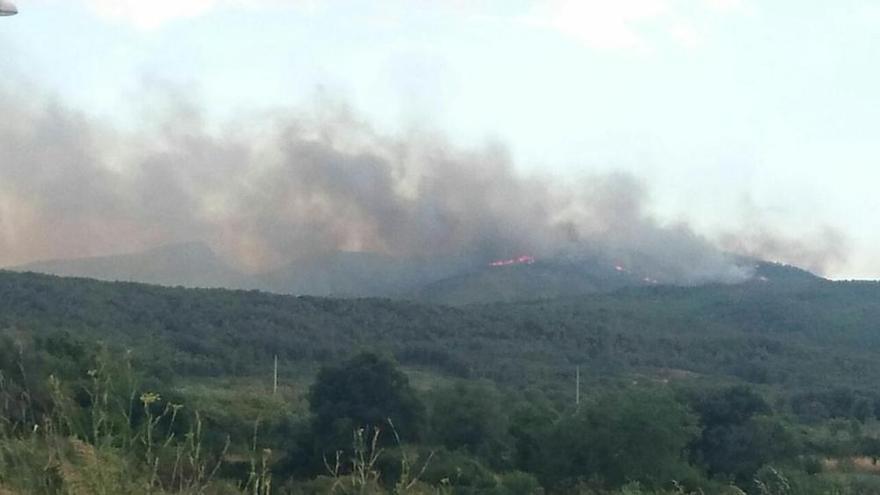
[(521, 260)]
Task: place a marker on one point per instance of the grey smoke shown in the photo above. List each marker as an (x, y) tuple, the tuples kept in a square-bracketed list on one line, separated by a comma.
[(821, 252), (269, 188)]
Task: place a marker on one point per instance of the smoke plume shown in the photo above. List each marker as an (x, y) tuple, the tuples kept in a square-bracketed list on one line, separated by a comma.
[(268, 188), (820, 253)]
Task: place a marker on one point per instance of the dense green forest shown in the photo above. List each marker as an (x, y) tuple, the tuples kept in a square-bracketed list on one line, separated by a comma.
[(764, 387)]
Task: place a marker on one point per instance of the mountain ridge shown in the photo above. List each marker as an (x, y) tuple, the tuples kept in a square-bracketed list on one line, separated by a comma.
[(450, 280)]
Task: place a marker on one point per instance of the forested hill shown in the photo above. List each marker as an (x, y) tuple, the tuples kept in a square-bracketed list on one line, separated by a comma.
[(460, 279), (797, 331)]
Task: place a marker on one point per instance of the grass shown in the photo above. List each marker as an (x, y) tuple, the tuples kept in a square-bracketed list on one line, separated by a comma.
[(246, 399), (105, 438)]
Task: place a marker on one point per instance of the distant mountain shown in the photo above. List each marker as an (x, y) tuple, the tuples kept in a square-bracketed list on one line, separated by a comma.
[(782, 274), (576, 276), (188, 265), (351, 274), (540, 279), (455, 280), (452, 280)]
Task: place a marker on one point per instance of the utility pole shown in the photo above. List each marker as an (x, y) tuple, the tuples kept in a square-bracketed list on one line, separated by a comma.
[(275, 377), (577, 386)]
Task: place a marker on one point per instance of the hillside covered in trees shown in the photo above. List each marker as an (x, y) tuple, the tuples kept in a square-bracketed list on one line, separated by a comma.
[(764, 385), (795, 331)]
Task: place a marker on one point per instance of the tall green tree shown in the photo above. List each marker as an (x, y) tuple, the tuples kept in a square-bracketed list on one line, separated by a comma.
[(738, 437), (367, 391), (633, 435), (471, 416)]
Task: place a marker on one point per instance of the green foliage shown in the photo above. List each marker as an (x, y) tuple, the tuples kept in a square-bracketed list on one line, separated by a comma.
[(729, 406), (737, 438), (106, 439), (809, 335), (839, 402), (459, 471), (530, 425), (633, 435), (739, 450), (470, 416), (365, 392), (519, 483), (646, 356)]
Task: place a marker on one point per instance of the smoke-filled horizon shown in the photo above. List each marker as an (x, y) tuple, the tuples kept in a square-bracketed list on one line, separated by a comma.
[(265, 189)]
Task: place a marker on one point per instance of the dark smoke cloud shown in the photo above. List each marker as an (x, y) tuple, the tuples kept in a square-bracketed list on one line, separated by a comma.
[(269, 188)]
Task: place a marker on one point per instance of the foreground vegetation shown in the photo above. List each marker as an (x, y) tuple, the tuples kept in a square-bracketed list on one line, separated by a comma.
[(79, 418), (124, 388)]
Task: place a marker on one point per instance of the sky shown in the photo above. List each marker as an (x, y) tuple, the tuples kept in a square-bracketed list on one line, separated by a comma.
[(754, 122)]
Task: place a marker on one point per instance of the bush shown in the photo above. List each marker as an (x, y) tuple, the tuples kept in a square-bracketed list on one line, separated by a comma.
[(634, 435), (519, 483), (470, 416), (367, 391)]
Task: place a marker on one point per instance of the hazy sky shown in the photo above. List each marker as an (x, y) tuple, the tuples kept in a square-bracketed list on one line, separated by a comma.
[(741, 117)]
